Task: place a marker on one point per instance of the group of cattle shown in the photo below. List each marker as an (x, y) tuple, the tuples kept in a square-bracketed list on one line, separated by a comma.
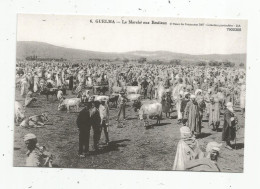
[(133, 93)]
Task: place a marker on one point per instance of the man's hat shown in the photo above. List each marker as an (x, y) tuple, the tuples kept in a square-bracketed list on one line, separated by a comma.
[(213, 146), (29, 136)]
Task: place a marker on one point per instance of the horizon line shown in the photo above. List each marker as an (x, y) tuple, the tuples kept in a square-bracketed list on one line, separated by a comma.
[(131, 51)]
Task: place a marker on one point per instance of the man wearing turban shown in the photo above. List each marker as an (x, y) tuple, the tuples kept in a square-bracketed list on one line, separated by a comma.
[(192, 115), (187, 149), (208, 163)]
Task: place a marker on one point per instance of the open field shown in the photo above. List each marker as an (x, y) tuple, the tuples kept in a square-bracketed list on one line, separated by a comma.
[(131, 147)]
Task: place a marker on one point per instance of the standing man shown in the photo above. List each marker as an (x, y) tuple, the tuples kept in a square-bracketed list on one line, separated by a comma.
[(95, 121), (229, 127), (144, 86), (122, 105), (243, 98), (84, 126), (184, 102), (214, 113), (104, 115), (193, 115), (70, 82)]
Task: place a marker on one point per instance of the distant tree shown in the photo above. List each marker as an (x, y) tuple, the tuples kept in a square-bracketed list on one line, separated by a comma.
[(141, 60), (157, 62), (125, 60), (241, 64), (228, 64), (215, 63), (202, 63), (175, 62)]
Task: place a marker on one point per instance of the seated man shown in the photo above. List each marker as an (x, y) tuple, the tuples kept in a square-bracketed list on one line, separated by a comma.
[(209, 163), (29, 99), (37, 156), (35, 121), (187, 149)]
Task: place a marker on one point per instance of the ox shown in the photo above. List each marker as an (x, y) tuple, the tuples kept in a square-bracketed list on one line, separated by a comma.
[(67, 103), (35, 121), (114, 99), (133, 89), (100, 98), (49, 91), (116, 89), (133, 97), (154, 109)]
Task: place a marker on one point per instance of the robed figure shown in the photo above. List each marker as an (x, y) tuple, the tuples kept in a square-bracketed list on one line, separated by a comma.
[(192, 115)]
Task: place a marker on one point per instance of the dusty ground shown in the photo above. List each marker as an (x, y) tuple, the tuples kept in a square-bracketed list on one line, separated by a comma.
[(131, 147)]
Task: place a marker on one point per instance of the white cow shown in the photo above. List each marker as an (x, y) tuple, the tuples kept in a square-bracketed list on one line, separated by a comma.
[(67, 103), (116, 89), (133, 97), (18, 111), (154, 109), (133, 89), (100, 98)]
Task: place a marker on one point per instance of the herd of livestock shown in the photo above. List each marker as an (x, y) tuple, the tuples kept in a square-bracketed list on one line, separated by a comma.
[(152, 89)]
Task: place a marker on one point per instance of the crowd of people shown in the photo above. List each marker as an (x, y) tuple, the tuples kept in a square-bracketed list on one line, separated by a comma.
[(193, 91)]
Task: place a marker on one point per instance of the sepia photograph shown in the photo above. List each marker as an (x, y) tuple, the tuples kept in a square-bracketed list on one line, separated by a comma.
[(130, 93)]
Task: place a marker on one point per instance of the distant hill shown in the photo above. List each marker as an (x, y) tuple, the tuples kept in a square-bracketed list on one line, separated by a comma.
[(45, 50)]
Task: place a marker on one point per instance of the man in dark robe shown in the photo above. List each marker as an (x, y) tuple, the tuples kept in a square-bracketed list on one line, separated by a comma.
[(184, 103), (135, 83), (70, 82), (84, 126), (95, 121), (144, 86), (229, 127)]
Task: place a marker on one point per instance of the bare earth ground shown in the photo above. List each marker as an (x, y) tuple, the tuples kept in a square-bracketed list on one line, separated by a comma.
[(131, 147)]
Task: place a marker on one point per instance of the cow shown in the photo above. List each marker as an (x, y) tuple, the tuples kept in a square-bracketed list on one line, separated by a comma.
[(100, 98), (49, 91), (114, 99), (18, 112), (100, 89), (133, 89), (133, 97), (35, 121), (154, 109), (116, 89), (67, 103)]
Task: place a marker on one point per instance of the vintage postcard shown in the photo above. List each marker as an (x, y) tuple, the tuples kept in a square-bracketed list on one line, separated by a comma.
[(130, 93)]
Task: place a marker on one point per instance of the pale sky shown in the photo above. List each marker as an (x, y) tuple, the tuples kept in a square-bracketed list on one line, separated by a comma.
[(77, 32)]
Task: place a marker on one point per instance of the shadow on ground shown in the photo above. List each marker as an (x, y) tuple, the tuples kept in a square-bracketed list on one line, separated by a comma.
[(238, 146), (112, 146), (203, 135)]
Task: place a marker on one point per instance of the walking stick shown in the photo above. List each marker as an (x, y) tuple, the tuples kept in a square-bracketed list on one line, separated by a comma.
[(237, 128)]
